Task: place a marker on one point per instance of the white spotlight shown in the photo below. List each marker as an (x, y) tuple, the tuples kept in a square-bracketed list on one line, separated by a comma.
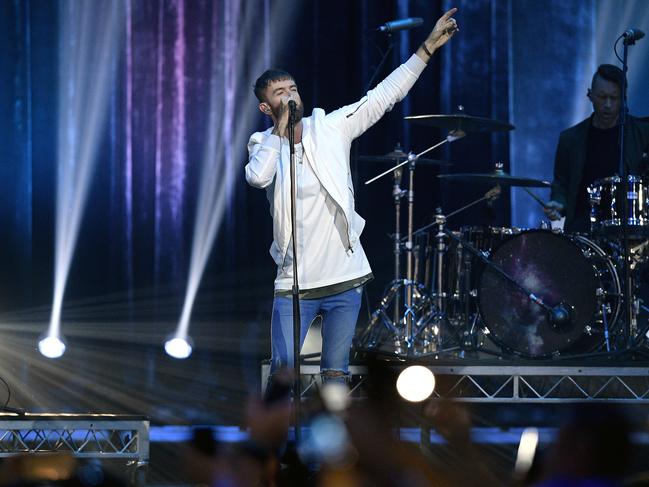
[(51, 346), (179, 347), (415, 383), (526, 450), (335, 396)]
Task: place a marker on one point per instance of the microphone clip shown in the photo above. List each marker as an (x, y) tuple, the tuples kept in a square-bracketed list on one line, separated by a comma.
[(631, 36)]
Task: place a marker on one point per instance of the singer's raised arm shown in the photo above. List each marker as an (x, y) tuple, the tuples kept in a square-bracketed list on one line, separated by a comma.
[(353, 120), (444, 29)]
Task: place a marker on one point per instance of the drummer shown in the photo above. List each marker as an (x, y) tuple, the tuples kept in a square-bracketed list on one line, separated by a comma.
[(590, 150)]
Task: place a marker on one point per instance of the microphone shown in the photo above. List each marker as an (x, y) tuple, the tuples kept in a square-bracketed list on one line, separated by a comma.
[(292, 112), (401, 24), (632, 35)]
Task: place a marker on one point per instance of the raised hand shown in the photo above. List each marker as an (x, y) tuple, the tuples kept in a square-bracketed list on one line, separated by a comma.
[(444, 29), (282, 118)]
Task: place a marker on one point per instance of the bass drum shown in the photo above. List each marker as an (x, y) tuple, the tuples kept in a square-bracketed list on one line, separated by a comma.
[(569, 270)]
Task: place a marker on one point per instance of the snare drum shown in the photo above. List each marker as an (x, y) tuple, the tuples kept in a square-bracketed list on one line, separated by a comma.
[(572, 271), (607, 206)]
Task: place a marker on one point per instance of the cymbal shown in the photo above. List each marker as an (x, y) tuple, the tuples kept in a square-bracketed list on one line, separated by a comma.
[(398, 156), (460, 121), (496, 177)]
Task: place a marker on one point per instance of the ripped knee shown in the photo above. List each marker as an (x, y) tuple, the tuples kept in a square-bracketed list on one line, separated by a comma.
[(330, 375), (333, 373)]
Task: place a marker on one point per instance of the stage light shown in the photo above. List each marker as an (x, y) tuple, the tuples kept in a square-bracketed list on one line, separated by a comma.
[(335, 396), (51, 346), (415, 383), (89, 42), (226, 133), (526, 450), (179, 347)]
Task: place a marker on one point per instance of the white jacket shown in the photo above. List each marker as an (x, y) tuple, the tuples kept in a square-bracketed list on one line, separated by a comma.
[(327, 142)]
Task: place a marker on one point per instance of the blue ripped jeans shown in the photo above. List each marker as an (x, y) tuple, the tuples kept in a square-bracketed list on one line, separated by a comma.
[(339, 314)]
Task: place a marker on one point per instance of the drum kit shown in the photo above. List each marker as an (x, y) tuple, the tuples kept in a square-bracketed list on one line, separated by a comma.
[(534, 293)]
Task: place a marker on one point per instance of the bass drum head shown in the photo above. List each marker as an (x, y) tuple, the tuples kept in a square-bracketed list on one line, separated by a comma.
[(555, 269)]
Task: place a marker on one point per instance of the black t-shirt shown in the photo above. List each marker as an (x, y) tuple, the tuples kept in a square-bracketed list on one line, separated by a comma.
[(602, 161)]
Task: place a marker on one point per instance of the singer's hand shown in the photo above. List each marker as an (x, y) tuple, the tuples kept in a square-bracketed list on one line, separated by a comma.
[(444, 29), (281, 127), (553, 210)]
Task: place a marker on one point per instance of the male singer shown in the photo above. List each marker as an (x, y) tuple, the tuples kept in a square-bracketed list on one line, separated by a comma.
[(332, 267)]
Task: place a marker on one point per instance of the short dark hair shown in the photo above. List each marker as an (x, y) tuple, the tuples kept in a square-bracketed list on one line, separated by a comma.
[(611, 73), (269, 76)]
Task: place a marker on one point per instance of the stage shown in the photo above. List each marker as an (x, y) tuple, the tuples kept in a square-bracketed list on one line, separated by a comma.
[(471, 192)]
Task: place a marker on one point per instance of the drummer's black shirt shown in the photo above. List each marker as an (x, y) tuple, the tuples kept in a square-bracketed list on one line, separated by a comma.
[(602, 161)]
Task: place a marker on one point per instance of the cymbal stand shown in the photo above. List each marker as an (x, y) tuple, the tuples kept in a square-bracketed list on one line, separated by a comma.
[(438, 313), (438, 291), (397, 194), (381, 326), (440, 250), (451, 137), (490, 195), (402, 324), (409, 311), (407, 333)]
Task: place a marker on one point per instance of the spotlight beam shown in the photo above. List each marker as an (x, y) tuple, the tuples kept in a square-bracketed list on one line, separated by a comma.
[(218, 181), (90, 36)]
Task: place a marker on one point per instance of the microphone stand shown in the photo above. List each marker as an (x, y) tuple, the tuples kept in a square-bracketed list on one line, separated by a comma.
[(381, 63), (376, 72), (296, 285), (624, 174)]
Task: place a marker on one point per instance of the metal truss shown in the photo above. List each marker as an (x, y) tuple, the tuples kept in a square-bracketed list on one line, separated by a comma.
[(86, 436), (517, 384)]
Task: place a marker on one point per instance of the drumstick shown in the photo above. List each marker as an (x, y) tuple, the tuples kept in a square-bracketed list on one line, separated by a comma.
[(536, 198)]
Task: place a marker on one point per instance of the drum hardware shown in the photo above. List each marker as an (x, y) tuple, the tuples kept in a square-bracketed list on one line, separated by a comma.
[(607, 335), (425, 324), (629, 285), (637, 262), (461, 121), (490, 195), (643, 333), (399, 156), (573, 272), (411, 157), (609, 196), (397, 195), (405, 327), (637, 254), (427, 311), (560, 315), (498, 176)]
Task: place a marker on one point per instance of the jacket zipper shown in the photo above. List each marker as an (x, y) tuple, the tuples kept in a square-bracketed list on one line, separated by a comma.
[(350, 114)]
